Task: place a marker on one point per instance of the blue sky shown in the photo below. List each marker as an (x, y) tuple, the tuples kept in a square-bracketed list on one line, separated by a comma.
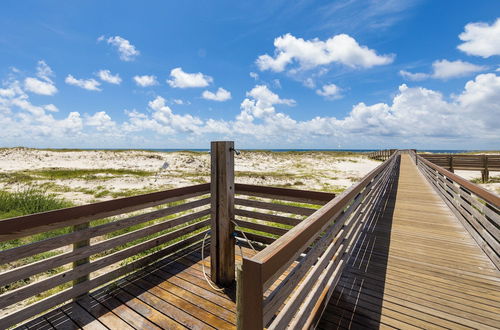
[(268, 74)]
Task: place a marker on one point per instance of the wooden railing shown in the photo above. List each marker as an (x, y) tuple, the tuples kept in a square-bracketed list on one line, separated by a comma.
[(86, 241), (289, 282), (452, 162), (381, 154), (476, 208), (271, 211)]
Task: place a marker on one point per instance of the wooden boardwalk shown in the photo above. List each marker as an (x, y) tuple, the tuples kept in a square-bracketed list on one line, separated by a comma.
[(171, 294), (415, 267)]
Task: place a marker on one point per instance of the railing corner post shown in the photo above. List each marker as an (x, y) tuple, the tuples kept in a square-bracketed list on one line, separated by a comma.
[(250, 311), (222, 265)]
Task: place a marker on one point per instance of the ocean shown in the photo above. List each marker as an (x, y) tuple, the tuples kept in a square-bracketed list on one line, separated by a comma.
[(304, 150)]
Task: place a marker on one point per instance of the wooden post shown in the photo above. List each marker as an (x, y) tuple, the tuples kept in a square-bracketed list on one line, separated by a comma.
[(251, 309), (222, 228), (79, 245), (485, 173), (451, 164)]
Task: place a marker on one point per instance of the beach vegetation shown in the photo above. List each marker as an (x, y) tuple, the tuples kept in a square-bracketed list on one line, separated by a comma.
[(492, 179), (28, 201), (86, 174)]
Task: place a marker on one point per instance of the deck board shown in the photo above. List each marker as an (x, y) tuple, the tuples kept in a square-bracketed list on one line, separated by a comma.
[(171, 294), (417, 266)]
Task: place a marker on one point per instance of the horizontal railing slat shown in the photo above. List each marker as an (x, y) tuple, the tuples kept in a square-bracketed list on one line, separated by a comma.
[(476, 208), (475, 189), (267, 217), (288, 246), (261, 227), (302, 196), (38, 307), (42, 222), (59, 260), (56, 242), (275, 207), (33, 289)]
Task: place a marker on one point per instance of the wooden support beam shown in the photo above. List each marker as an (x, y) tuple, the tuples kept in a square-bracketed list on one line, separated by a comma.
[(222, 216)]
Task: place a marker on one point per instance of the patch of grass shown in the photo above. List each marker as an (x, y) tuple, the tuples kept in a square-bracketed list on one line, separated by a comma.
[(87, 174), (54, 187), (200, 180), (102, 193), (492, 179), (28, 201), (332, 189), (16, 177), (132, 192)]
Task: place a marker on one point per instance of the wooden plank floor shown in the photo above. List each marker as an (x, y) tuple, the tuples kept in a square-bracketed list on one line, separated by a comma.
[(171, 294), (415, 267)]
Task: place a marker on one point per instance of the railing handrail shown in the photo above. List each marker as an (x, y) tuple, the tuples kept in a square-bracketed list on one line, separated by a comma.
[(40, 222), (474, 188), (284, 250), (261, 271)]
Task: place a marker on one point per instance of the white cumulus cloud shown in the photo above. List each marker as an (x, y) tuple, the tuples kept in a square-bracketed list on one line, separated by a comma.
[(309, 54), (107, 76), (38, 86), (145, 80), (481, 39), (43, 84), (444, 69), (181, 79), (330, 91), (221, 95), (101, 121), (260, 103), (88, 84), (125, 49)]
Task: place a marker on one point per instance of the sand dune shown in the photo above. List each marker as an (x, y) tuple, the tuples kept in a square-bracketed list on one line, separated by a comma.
[(95, 175)]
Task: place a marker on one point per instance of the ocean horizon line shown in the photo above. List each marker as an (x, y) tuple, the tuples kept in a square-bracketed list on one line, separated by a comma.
[(253, 149)]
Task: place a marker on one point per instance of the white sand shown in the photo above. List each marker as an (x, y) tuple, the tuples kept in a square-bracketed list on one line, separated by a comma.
[(308, 170)]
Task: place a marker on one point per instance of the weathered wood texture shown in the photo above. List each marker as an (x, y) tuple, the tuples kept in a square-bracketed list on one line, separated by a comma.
[(42, 222), (272, 218), (415, 267), (169, 294), (294, 195), (222, 212), (306, 258), (477, 209), (87, 265), (452, 162)]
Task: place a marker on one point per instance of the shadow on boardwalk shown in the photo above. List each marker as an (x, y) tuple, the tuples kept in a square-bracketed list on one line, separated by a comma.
[(356, 301), (169, 294)]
